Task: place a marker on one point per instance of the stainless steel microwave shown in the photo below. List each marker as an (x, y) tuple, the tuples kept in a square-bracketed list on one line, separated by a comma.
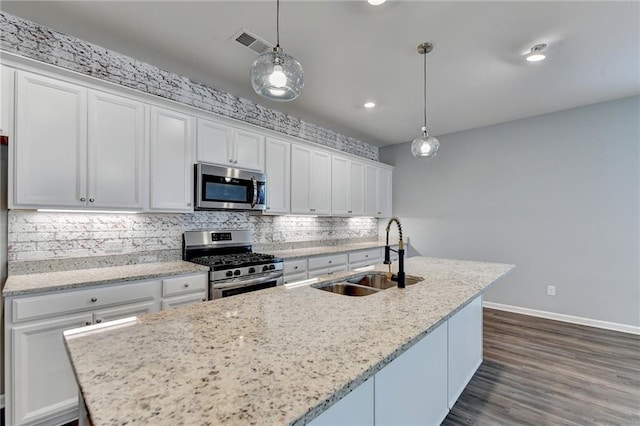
[(219, 187)]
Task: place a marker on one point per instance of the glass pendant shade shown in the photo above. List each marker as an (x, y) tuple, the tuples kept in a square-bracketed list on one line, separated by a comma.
[(277, 76), (425, 145)]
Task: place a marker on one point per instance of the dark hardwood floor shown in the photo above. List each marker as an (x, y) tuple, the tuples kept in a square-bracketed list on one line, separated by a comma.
[(542, 372)]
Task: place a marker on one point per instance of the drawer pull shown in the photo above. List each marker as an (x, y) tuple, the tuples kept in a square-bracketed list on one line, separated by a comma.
[(186, 285), (366, 255), (295, 267), (99, 320), (94, 299), (330, 261), (83, 199), (91, 200), (204, 299), (86, 323)]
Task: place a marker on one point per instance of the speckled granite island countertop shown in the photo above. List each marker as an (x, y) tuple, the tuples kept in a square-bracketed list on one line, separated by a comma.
[(52, 281), (275, 356)]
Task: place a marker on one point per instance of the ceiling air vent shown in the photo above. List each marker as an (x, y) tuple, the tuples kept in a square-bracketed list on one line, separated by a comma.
[(252, 41)]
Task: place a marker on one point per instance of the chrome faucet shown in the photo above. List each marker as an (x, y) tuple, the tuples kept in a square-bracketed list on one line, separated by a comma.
[(400, 251)]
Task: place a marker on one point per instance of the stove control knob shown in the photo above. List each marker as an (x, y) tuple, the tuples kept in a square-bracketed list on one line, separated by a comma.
[(252, 270), (236, 272), (265, 268), (229, 273), (272, 267)]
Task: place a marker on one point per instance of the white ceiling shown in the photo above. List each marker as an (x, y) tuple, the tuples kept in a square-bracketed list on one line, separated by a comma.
[(352, 52)]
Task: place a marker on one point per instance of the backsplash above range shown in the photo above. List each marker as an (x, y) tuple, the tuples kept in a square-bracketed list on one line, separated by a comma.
[(37, 42), (54, 236)]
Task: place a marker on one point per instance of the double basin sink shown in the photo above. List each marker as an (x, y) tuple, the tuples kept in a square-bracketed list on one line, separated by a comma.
[(364, 285)]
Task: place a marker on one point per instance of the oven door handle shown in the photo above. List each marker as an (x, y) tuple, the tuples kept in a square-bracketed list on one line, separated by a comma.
[(254, 186), (243, 283)]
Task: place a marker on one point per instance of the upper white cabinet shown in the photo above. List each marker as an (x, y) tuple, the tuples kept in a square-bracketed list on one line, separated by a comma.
[(228, 146), (50, 143), (278, 170), (6, 99), (378, 183), (347, 187), (171, 174), (310, 181), (70, 152), (115, 151)]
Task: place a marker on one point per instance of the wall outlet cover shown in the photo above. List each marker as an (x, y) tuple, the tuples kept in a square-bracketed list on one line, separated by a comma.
[(551, 290)]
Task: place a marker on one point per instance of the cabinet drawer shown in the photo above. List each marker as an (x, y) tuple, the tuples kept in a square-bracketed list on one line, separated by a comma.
[(327, 271), (365, 256), (184, 284), (292, 278), (80, 300), (185, 300), (327, 261), (295, 266)]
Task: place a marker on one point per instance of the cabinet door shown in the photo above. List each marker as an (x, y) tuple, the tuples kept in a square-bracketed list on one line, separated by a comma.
[(320, 182), (214, 143), (248, 150), (43, 384), (339, 186), (356, 408), (50, 143), (7, 84), (189, 299), (412, 389), (384, 191), (372, 197), (356, 188), (465, 347), (300, 179), (115, 151), (125, 311), (277, 168), (171, 177)]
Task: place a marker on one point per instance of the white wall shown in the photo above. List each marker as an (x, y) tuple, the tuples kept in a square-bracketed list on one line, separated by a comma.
[(558, 195)]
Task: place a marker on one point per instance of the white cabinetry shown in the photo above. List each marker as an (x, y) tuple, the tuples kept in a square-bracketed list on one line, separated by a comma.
[(294, 270), (7, 76), (39, 386), (356, 188), (361, 258), (356, 408), (184, 290), (278, 170), (68, 154), (411, 390), (347, 187), (171, 171), (310, 181), (228, 146), (323, 265), (465, 347), (378, 182)]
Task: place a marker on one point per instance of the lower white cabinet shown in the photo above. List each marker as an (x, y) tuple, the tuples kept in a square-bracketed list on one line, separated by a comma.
[(465, 347), (362, 258), (40, 388), (354, 409)]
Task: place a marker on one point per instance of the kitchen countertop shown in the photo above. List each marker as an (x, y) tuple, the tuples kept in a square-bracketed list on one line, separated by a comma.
[(275, 356), (52, 281), (332, 249)]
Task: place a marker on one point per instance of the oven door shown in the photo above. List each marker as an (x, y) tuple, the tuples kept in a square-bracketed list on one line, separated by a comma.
[(225, 188), (231, 287)]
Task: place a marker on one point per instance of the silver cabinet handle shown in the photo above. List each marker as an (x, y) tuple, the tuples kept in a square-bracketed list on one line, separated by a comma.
[(99, 320), (188, 204), (94, 299), (235, 161), (91, 200), (186, 285), (330, 261), (86, 323), (83, 199), (231, 160), (350, 211), (295, 267), (204, 299)]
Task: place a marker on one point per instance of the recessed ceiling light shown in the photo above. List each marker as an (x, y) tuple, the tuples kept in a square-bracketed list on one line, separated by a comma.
[(369, 104), (375, 2), (536, 53)]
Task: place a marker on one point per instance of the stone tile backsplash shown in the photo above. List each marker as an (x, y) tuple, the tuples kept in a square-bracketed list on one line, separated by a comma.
[(35, 235), (34, 41)]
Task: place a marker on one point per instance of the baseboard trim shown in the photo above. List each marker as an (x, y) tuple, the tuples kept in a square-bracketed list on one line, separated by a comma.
[(624, 328)]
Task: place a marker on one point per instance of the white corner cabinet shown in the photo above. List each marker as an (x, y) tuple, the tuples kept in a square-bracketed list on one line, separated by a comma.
[(76, 142), (40, 388), (421, 385)]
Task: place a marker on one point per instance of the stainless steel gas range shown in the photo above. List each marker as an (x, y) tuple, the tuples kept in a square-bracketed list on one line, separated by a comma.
[(234, 267)]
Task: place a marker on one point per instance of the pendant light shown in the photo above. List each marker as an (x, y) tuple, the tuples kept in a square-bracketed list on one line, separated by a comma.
[(276, 75), (425, 145)]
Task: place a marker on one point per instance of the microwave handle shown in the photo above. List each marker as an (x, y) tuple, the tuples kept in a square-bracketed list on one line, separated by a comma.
[(254, 186)]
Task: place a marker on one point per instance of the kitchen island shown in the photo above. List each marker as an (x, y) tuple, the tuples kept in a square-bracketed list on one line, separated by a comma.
[(276, 356)]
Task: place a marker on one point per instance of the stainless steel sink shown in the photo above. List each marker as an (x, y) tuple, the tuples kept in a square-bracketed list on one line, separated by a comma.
[(348, 289), (380, 281)]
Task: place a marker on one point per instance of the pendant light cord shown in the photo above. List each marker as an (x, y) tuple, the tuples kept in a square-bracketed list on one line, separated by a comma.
[(425, 90), (277, 23)]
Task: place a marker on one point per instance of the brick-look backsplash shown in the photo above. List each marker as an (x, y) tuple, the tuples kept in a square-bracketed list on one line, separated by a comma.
[(34, 235), (34, 41)]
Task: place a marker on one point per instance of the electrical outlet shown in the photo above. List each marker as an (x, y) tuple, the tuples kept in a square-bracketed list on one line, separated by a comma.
[(551, 290)]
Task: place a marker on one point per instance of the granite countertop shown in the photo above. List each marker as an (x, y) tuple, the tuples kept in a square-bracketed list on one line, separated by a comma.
[(51, 281), (330, 249), (275, 356)]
